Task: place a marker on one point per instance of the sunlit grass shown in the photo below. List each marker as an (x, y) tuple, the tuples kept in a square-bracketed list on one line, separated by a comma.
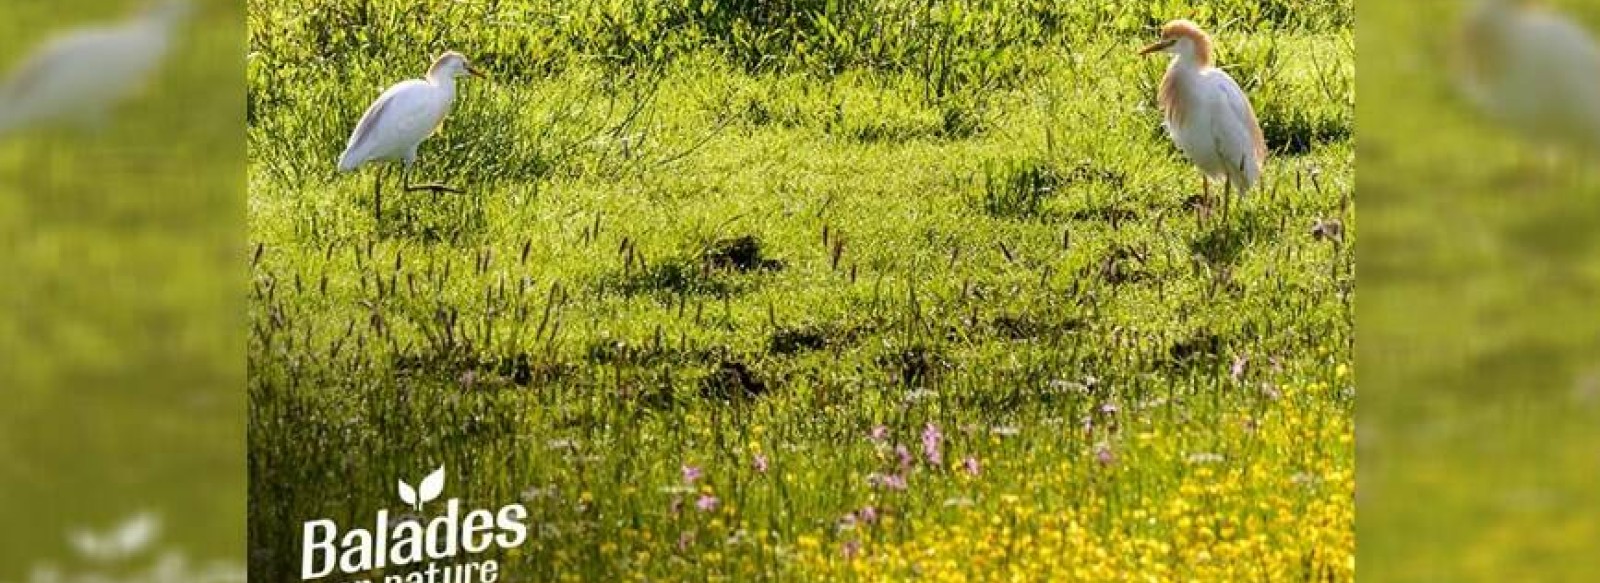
[(685, 260)]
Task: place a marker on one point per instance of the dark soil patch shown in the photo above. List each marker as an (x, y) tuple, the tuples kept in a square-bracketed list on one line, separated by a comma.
[(732, 381), (915, 365), (790, 341), (741, 254)]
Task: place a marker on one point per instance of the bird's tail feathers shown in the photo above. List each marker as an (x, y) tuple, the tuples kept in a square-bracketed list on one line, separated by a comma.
[(349, 161), (1245, 175)]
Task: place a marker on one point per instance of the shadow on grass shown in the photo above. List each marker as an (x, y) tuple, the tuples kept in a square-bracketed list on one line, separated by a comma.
[(713, 270), (1222, 240), (431, 217)]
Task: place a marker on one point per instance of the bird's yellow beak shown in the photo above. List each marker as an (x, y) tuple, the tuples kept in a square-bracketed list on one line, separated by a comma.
[(1159, 46), (476, 73)]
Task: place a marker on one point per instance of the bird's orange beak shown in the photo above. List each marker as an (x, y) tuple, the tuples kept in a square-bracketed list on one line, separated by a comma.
[(1159, 46)]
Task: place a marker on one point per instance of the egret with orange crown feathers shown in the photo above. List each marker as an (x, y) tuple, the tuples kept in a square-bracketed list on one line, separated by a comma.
[(1207, 114)]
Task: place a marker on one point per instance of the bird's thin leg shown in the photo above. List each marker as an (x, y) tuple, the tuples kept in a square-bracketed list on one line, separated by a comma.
[(377, 195), (1227, 196), (434, 187), (1205, 198)]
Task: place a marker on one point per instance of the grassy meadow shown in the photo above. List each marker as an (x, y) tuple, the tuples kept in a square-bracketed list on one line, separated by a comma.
[(806, 290)]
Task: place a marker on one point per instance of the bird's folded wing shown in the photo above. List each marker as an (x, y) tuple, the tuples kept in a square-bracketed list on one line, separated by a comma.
[(1240, 121), (52, 56), (400, 111)]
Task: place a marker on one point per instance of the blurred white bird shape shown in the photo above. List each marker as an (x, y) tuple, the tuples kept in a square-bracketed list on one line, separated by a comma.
[(79, 76), (403, 116), (1207, 114), (129, 538), (1533, 70)]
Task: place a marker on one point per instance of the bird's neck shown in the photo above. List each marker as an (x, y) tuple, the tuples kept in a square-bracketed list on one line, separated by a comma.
[(1190, 63), (1182, 72), (1177, 91), (443, 81)]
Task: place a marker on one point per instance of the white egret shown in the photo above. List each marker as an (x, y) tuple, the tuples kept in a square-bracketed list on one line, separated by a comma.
[(79, 76), (402, 117), (1207, 114), (1533, 70)]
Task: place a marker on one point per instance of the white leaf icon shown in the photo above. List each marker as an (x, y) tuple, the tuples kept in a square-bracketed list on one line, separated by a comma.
[(408, 495), (431, 486)]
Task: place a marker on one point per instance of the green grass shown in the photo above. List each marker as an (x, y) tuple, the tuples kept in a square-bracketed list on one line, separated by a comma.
[(1477, 322), (692, 234), (122, 319)]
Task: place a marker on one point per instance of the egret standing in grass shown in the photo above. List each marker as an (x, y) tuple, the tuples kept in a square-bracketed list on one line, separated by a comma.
[(402, 117), (77, 78), (1207, 114)]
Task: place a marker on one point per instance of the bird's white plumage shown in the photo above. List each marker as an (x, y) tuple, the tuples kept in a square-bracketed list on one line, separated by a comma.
[(77, 77), (1207, 114), (1533, 70), (397, 123), (404, 115), (1218, 134)]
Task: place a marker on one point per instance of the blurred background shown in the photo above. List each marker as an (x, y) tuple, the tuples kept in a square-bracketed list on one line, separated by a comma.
[(1480, 270), (121, 321)]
